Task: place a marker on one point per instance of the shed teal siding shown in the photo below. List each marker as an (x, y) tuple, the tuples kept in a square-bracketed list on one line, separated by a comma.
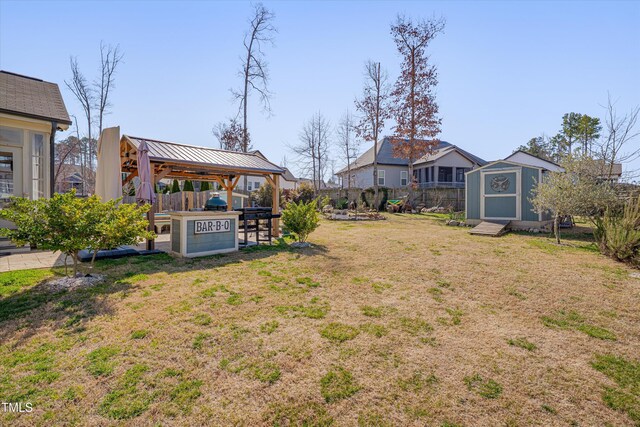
[(473, 195), (500, 207), (529, 178)]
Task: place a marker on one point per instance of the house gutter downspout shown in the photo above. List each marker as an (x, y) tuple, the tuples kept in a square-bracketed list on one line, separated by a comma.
[(52, 151)]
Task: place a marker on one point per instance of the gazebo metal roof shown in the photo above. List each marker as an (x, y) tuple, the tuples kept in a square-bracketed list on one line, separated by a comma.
[(199, 160)]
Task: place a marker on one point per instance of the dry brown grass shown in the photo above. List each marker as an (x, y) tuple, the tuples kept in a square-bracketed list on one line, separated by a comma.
[(238, 340)]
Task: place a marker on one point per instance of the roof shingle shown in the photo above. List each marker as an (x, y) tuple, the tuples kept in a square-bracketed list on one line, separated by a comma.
[(29, 97)]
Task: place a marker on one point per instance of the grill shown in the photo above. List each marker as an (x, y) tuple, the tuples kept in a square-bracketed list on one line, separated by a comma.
[(250, 222), (215, 203)]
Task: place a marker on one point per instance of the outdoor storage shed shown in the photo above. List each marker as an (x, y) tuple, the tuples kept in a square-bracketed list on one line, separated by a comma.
[(502, 191)]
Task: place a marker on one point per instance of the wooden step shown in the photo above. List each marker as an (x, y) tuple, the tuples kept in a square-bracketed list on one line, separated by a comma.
[(490, 228)]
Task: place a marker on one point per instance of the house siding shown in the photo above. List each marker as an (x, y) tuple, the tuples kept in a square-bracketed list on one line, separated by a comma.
[(363, 177)]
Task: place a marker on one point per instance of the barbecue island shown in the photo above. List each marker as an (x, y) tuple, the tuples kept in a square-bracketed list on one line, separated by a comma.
[(204, 233), (214, 230)]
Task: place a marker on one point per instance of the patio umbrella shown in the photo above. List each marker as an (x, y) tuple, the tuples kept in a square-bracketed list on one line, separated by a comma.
[(144, 192), (108, 176)]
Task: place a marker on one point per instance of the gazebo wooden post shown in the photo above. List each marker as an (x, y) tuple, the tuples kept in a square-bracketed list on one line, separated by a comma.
[(229, 193), (275, 205), (151, 244)]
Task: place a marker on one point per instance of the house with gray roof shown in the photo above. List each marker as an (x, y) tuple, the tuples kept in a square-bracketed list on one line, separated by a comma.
[(444, 167)]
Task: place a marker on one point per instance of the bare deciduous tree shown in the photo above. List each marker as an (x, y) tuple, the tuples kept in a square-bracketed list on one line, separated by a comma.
[(254, 72), (110, 57), (313, 150), (85, 95), (231, 135), (415, 109), (373, 109), (348, 144), (620, 131), (94, 100)]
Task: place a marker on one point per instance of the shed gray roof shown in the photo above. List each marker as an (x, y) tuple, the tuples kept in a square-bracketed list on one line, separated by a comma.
[(30, 97), (208, 157)]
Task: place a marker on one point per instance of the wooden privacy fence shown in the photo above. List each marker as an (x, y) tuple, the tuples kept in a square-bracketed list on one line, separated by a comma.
[(181, 201), (429, 197)]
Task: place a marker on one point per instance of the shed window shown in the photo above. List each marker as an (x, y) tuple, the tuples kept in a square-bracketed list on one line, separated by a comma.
[(404, 178), (381, 177)]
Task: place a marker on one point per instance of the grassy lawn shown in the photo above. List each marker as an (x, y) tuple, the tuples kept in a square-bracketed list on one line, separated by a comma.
[(398, 322)]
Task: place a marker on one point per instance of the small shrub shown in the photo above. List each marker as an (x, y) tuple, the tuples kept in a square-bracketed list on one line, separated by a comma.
[(339, 332), (618, 234), (301, 219), (338, 384)]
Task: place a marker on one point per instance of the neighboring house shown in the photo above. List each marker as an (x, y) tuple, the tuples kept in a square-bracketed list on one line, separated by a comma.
[(502, 191), (69, 177), (444, 167), (287, 181)]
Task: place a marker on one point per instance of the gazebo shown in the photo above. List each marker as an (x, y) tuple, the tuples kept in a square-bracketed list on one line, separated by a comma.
[(179, 161)]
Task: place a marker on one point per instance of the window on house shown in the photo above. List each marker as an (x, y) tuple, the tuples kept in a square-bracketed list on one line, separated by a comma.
[(37, 165), (445, 174), (460, 174), (380, 177), (404, 177), (249, 187), (256, 185)]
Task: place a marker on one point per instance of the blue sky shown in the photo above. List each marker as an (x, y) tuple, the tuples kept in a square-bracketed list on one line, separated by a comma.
[(508, 70)]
